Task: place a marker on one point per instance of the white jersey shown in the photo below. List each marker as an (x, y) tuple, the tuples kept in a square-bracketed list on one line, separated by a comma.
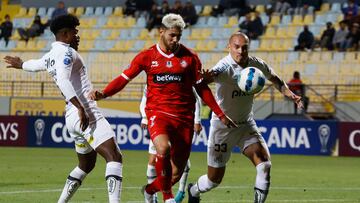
[(66, 67), (235, 103)]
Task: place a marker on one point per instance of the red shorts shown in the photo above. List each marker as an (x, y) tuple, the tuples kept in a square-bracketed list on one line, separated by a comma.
[(179, 130)]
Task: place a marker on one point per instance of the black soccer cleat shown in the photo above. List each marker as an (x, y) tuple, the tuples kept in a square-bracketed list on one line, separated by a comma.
[(192, 199)]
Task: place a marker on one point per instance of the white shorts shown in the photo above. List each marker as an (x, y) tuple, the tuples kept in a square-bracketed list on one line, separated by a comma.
[(222, 140), (152, 149), (85, 141)]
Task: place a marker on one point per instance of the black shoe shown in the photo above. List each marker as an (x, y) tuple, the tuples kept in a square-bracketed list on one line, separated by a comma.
[(191, 198)]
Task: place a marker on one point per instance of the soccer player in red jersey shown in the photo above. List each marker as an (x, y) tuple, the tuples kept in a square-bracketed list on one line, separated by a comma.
[(172, 70)]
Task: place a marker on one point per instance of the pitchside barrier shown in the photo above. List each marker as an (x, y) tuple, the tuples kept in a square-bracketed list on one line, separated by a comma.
[(282, 137)]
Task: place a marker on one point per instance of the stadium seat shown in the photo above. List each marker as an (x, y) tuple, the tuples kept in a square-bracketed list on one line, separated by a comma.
[(206, 10), (98, 11), (71, 10), (31, 12), (101, 21), (308, 19), (114, 34), (274, 20), (297, 20), (325, 7), (254, 44), (118, 11), (335, 7), (222, 21), (201, 22), (79, 11), (108, 11), (125, 34), (260, 8), (198, 9), (232, 22), (86, 45), (89, 11), (211, 22), (285, 20), (42, 12), (22, 13), (265, 45), (269, 33), (140, 22), (49, 12), (138, 46)]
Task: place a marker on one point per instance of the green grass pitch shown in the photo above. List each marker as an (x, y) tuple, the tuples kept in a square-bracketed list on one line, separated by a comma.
[(37, 175)]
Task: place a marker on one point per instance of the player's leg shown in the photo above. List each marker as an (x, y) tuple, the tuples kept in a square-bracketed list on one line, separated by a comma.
[(151, 171), (77, 175), (220, 144), (258, 153), (103, 141), (163, 168), (86, 156), (180, 195)]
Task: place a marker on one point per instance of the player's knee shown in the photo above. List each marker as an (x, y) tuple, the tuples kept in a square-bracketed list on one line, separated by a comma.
[(87, 167), (163, 149), (175, 178), (113, 155)]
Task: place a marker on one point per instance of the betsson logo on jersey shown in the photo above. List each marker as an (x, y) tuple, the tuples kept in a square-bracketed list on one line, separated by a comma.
[(167, 78)]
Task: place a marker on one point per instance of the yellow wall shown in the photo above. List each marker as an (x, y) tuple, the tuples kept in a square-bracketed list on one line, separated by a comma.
[(56, 107)]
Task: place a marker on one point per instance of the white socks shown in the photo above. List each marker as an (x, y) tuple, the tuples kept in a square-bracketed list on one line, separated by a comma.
[(262, 182), (113, 176), (263, 175), (183, 179), (150, 173), (204, 184), (72, 183)]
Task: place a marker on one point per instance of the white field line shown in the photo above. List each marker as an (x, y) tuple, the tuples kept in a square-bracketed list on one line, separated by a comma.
[(221, 188)]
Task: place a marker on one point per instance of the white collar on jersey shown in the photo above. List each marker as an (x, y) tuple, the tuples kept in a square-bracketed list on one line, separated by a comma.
[(59, 43), (232, 62), (166, 55)]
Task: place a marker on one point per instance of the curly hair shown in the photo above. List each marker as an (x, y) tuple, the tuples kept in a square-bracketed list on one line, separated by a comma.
[(64, 21)]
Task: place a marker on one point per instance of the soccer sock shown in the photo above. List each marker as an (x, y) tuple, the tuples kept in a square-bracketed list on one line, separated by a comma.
[(72, 183), (113, 176), (262, 182), (204, 184), (183, 179), (150, 173), (163, 180)]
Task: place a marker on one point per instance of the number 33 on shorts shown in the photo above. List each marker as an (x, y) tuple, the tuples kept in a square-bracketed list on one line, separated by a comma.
[(220, 147)]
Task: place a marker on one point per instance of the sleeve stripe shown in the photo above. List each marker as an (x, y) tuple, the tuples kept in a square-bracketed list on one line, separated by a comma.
[(125, 76)]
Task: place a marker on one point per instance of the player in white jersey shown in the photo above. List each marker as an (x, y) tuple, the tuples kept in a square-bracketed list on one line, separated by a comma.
[(85, 123), (151, 172), (238, 106)]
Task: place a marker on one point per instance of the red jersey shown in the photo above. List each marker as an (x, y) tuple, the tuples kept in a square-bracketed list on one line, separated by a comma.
[(170, 79), (296, 86)]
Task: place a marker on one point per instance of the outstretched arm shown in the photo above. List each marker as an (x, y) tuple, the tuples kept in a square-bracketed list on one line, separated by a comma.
[(284, 89), (206, 95), (121, 81), (33, 65)]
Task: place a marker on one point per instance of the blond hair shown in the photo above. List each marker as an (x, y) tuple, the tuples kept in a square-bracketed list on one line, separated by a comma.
[(172, 20)]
